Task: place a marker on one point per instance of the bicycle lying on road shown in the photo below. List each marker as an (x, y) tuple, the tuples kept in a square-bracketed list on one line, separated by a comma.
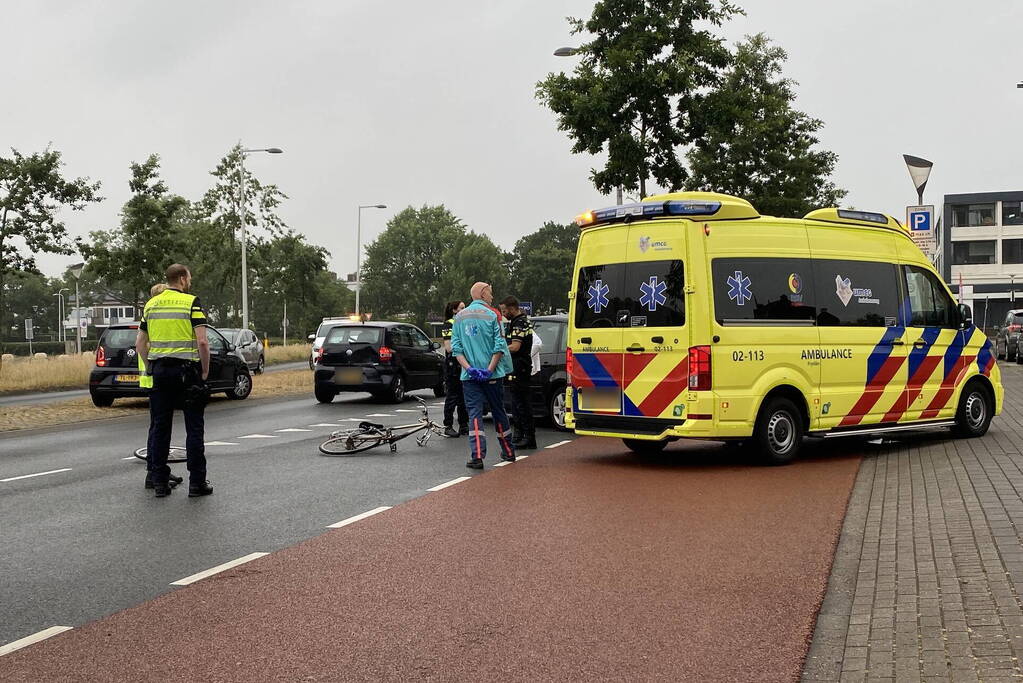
[(175, 454), (369, 435)]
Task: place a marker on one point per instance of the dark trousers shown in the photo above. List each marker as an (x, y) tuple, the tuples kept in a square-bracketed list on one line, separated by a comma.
[(454, 399), (476, 395), (168, 393), (522, 408)]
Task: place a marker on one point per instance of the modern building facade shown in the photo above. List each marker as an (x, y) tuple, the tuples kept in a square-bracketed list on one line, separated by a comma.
[(982, 249)]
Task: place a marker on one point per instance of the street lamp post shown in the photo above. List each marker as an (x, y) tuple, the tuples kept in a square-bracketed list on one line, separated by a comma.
[(241, 216), (358, 252), (76, 270), (61, 334)]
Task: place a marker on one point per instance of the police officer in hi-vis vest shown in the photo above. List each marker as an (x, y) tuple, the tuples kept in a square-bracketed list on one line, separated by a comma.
[(172, 343)]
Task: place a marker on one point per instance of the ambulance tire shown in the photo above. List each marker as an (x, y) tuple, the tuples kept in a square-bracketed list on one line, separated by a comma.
[(976, 408), (779, 432), (644, 447)]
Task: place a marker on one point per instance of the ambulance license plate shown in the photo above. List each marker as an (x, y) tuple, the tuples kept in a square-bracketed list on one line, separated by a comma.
[(133, 379), (600, 399), (348, 376)]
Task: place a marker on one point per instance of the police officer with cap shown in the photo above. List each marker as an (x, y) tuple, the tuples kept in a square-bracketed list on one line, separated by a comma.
[(520, 343)]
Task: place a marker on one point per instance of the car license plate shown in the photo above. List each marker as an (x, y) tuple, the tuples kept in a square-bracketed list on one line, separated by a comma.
[(348, 376), (134, 379)]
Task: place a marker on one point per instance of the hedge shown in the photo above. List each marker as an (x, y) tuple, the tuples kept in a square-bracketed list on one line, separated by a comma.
[(49, 348)]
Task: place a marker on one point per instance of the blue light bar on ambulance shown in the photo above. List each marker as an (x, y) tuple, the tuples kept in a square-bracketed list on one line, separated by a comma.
[(626, 212), (867, 216)]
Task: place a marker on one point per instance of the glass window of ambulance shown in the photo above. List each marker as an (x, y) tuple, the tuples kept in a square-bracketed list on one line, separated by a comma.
[(856, 293), (638, 294), (751, 291), (929, 304)]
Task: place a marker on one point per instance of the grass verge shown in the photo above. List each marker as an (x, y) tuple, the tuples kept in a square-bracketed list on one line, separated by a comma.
[(286, 354)]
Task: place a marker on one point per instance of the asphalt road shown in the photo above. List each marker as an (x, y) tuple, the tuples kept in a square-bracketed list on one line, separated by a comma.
[(89, 540)]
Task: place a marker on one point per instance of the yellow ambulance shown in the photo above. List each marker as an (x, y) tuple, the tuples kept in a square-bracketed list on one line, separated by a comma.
[(693, 316)]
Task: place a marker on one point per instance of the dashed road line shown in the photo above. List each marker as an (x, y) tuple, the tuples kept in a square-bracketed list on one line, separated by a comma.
[(446, 484), (37, 474), (293, 429), (521, 457), (32, 639), (560, 443), (220, 443), (381, 415), (324, 424), (216, 570), (405, 410), (502, 463), (356, 518), (258, 436)]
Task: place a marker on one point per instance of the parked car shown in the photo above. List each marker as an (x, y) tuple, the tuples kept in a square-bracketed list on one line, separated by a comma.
[(548, 385), (1007, 337), (386, 359), (248, 347), (116, 372)]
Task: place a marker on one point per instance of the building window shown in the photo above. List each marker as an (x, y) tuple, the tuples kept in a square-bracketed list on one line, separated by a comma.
[(971, 215), (1012, 214), (1012, 251), (972, 253)]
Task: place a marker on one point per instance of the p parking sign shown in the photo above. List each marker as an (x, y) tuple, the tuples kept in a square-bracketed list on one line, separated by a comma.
[(920, 223)]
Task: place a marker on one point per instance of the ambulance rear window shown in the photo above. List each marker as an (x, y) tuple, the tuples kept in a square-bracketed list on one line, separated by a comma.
[(638, 294)]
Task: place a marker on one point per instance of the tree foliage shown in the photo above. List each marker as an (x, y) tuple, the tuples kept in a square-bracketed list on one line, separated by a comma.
[(638, 88), (756, 145), (542, 266), (471, 258)]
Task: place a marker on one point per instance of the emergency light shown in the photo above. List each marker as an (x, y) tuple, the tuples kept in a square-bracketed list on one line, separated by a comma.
[(627, 212)]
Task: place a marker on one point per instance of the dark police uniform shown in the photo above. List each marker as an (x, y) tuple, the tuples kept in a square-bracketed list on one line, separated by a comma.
[(520, 329), (170, 319), (453, 397)]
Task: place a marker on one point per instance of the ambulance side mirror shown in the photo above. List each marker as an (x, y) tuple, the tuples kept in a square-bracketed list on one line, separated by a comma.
[(965, 316)]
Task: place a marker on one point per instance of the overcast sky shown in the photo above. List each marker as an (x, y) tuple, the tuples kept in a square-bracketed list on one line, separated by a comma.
[(412, 103)]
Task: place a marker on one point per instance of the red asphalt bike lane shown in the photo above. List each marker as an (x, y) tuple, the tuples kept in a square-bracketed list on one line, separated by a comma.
[(581, 563)]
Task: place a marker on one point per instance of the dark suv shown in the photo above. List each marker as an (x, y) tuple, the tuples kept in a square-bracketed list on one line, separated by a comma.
[(384, 358), (1007, 337), (116, 373), (548, 385)]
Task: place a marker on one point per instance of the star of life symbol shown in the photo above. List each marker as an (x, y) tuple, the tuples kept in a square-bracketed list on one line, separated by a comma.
[(738, 288), (653, 294), (598, 300)]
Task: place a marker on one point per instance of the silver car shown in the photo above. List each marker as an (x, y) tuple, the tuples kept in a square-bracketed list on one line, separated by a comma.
[(247, 347)]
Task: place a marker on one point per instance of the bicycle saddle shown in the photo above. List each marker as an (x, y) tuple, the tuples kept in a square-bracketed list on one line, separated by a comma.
[(371, 425)]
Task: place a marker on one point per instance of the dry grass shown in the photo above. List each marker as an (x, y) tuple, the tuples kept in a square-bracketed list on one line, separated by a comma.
[(286, 354), (284, 383), (56, 372)]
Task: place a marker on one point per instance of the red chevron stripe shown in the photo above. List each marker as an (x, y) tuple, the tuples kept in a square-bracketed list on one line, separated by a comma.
[(913, 389), (948, 387), (873, 392), (673, 384), (633, 365)]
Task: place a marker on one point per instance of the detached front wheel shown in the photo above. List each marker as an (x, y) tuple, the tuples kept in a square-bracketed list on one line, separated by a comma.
[(779, 431)]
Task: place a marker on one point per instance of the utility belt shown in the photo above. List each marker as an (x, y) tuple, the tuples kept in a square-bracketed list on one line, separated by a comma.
[(172, 362)]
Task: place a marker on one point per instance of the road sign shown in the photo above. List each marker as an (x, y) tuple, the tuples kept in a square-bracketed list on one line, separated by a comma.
[(920, 222), (526, 307), (29, 334)]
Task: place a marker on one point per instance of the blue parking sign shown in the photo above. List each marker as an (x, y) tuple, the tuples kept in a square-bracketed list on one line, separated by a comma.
[(920, 221), (526, 307)]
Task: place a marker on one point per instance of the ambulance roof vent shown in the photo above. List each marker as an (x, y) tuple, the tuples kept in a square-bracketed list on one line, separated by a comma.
[(853, 217), (700, 205)]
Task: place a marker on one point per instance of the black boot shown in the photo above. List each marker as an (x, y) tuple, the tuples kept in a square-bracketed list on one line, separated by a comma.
[(201, 489), (172, 481), (525, 443)]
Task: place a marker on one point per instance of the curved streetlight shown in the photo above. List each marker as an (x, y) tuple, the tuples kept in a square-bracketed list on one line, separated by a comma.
[(358, 252), (241, 215)]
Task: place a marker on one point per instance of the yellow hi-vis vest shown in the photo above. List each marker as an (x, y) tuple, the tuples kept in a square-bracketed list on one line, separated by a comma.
[(145, 381), (168, 317)]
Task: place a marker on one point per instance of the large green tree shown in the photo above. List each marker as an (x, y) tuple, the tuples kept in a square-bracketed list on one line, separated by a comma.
[(638, 88), (131, 258), (33, 191), (402, 270), (757, 145), (31, 295), (542, 266), (472, 258)]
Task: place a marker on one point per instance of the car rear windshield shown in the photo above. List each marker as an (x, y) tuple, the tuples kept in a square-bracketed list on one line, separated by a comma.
[(354, 335), (1017, 319), (119, 339)]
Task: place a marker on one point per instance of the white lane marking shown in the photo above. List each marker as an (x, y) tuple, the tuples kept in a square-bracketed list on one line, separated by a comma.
[(560, 443), (351, 419), (502, 463), (521, 457), (381, 415), (258, 436), (131, 457), (356, 518), (405, 410), (293, 429), (216, 570), (32, 639), (220, 443), (324, 424), (446, 484), (37, 474)]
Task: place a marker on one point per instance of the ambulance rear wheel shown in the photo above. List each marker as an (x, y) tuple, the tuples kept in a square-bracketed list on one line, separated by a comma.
[(643, 447), (779, 432)]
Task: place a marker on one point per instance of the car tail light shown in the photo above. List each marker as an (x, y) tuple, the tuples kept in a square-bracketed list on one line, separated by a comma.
[(699, 368), (319, 355), (569, 363), (386, 354), (101, 357), (1014, 328)]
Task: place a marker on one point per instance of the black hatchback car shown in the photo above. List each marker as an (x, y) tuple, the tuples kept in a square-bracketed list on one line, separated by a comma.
[(116, 373), (387, 359)]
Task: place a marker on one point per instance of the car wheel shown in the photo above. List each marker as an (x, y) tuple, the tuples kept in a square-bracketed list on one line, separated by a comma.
[(643, 447), (102, 401), (975, 411), (242, 386), (323, 395), (311, 367), (260, 365), (556, 408), (1013, 353), (397, 394), (999, 355), (779, 431)]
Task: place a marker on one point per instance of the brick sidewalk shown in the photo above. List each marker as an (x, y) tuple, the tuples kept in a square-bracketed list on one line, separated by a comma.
[(928, 574)]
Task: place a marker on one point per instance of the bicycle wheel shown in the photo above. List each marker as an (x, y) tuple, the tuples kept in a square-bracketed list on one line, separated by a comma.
[(351, 441), (175, 454)]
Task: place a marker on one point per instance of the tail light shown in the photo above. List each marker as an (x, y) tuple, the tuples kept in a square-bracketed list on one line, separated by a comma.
[(319, 355), (699, 368), (569, 363), (1014, 328), (386, 354), (101, 357)]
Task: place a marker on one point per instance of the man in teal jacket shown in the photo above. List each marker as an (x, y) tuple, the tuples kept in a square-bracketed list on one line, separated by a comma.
[(479, 346)]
